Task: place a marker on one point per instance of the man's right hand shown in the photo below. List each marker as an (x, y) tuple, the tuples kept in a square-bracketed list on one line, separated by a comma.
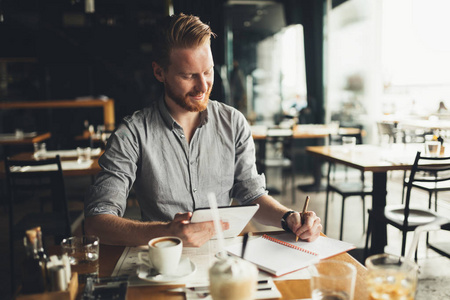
[(193, 234)]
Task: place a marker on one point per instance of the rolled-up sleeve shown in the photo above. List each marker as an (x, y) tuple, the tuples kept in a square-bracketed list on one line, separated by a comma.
[(109, 193)]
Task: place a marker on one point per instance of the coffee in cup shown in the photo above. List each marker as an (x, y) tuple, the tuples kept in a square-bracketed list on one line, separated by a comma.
[(164, 254), (233, 279)]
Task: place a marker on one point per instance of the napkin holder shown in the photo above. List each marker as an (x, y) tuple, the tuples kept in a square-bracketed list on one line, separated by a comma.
[(69, 294)]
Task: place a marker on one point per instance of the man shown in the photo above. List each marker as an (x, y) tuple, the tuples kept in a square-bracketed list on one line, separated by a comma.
[(178, 150)]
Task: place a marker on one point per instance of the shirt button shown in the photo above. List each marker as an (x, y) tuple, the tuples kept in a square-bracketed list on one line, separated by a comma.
[(195, 190), (182, 136)]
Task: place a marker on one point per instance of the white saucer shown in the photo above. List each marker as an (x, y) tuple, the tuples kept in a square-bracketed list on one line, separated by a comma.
[(185, 269)]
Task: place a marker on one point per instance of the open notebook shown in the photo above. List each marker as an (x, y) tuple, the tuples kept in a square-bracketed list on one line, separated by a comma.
[(281, 254)]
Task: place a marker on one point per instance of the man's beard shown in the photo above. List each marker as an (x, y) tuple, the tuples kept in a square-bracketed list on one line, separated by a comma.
[(185, 102)]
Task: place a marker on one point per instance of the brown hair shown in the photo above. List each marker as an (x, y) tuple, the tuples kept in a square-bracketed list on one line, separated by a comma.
[(179, 31)]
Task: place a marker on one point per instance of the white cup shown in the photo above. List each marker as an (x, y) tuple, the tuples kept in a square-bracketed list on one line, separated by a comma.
[(164, 254)]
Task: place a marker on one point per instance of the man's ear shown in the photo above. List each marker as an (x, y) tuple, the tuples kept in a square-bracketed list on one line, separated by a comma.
[(158, 71)]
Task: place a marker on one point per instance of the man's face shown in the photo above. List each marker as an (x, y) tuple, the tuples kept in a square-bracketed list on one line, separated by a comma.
[(189, 78)]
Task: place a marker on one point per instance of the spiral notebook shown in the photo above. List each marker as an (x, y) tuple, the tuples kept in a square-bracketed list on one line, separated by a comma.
[(281, 254)]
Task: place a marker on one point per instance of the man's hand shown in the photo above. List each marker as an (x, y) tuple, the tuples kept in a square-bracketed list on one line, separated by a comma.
[(193, 234), (309, 229)]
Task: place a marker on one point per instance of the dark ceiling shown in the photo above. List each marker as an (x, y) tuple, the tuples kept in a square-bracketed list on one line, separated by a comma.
[(260, 17)]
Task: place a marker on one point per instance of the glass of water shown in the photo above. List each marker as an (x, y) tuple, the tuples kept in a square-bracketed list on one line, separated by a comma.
[(332, 280), (349, 143), (84, 154), (83, 253)]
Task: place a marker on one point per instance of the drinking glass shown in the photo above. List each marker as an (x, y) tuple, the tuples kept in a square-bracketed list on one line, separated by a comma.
[(391, 277), (432, 148), (332, 279), (39, 150), (83, 253), (349, 143), (84, 154)]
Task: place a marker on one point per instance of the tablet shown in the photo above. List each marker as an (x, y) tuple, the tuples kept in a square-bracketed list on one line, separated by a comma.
[(237, 216)]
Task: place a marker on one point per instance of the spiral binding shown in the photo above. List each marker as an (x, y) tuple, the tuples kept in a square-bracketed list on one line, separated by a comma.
[(265, 236)]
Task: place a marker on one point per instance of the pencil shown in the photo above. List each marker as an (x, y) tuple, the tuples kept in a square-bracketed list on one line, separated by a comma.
[(305, 208)]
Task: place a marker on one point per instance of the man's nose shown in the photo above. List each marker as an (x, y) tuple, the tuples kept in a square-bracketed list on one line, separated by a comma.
[(202, 84)]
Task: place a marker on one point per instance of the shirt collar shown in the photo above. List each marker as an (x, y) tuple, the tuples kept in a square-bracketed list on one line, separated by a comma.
[(170, 122), (165, 113)]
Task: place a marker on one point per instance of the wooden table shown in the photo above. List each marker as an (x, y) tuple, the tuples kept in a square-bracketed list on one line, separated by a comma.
[(290, 289), (27, 139), (92, 170), (378, 160), (10, 140), (307, 131)]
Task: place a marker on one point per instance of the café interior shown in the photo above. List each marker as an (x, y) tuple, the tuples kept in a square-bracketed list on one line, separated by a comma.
[(307, 75)]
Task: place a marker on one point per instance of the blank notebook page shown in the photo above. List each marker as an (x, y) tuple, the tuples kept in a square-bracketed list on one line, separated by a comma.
[(280, 254)]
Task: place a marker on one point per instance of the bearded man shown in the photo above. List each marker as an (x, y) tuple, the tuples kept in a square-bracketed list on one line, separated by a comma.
[(178, 150)]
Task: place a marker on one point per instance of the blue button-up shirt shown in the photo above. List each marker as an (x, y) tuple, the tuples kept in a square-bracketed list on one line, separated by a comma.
[(149, 152)]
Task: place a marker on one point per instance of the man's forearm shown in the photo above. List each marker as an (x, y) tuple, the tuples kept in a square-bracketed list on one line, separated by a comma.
[(270, 211), (113, 230)]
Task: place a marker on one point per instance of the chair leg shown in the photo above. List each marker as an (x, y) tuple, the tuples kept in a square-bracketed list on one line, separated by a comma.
[(430, 194), (435, 200), (403, 242), (326, 212), (330, 165), (403, 188), (369, 231), (415, 253), (364, 213), (342, 219), (12, 266)]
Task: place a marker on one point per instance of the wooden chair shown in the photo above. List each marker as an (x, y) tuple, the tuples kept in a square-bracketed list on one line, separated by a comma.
[(346, 189), (407, 218), (36, 180)]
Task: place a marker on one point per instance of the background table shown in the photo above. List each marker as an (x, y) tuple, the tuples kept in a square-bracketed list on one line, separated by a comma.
[(11, 140), (90, 170), (302, 131), (27, 139), (378, 160)]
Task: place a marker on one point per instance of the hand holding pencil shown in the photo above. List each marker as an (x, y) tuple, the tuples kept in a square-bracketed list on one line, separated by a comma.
[(305, 208)]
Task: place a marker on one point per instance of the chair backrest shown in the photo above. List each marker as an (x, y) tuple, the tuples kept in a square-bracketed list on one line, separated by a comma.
[(426, 169), (36, 178), (387, 129)]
